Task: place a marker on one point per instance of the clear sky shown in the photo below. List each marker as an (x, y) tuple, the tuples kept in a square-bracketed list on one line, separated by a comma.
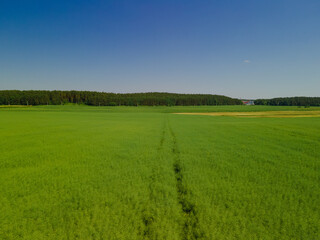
[(243, 49)]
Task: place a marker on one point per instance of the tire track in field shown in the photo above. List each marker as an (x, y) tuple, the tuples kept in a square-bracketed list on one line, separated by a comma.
[(163, 133), (147, 232), (191, 229)]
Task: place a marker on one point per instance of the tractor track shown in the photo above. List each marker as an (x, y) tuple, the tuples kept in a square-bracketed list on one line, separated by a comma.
[(148, 232), (191, 229)]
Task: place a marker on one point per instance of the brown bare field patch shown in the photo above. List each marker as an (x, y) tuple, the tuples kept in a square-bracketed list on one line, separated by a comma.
[(266, 114)]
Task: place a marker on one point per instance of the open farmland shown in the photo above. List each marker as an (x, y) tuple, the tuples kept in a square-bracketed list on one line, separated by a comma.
[(79, 172), (269, 114)]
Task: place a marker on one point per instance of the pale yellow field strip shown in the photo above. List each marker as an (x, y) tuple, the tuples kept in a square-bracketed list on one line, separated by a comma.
[(275, 114), (14, 106)]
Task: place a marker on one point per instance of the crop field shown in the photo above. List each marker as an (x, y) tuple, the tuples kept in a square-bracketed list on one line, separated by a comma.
[(80, 172), (270, 114)]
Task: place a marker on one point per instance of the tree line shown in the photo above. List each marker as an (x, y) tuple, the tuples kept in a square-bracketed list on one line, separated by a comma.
[(32, 97), (290, 101)]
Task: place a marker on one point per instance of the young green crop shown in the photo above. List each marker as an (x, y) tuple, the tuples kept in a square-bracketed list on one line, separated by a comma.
[(79, 172)]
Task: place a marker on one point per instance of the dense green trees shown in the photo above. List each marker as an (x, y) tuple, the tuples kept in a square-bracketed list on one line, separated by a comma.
[(290, 101), (16, 97)]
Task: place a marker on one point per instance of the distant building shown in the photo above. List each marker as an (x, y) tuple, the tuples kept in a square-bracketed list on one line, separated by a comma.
[(248, 102)]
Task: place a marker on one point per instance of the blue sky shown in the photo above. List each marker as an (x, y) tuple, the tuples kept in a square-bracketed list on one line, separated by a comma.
[(244, 49)]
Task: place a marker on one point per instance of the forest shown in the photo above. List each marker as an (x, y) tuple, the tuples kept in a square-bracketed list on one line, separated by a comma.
[(31, 97), (289, 101)]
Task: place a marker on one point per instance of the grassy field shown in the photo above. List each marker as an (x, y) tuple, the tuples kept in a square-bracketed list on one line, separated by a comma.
[(79, 172)]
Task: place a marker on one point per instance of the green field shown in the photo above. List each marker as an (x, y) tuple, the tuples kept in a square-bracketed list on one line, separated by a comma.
[(79, 172)]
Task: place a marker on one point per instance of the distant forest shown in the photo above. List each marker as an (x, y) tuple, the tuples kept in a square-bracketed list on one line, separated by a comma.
[(290, 101), (16, 97)]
